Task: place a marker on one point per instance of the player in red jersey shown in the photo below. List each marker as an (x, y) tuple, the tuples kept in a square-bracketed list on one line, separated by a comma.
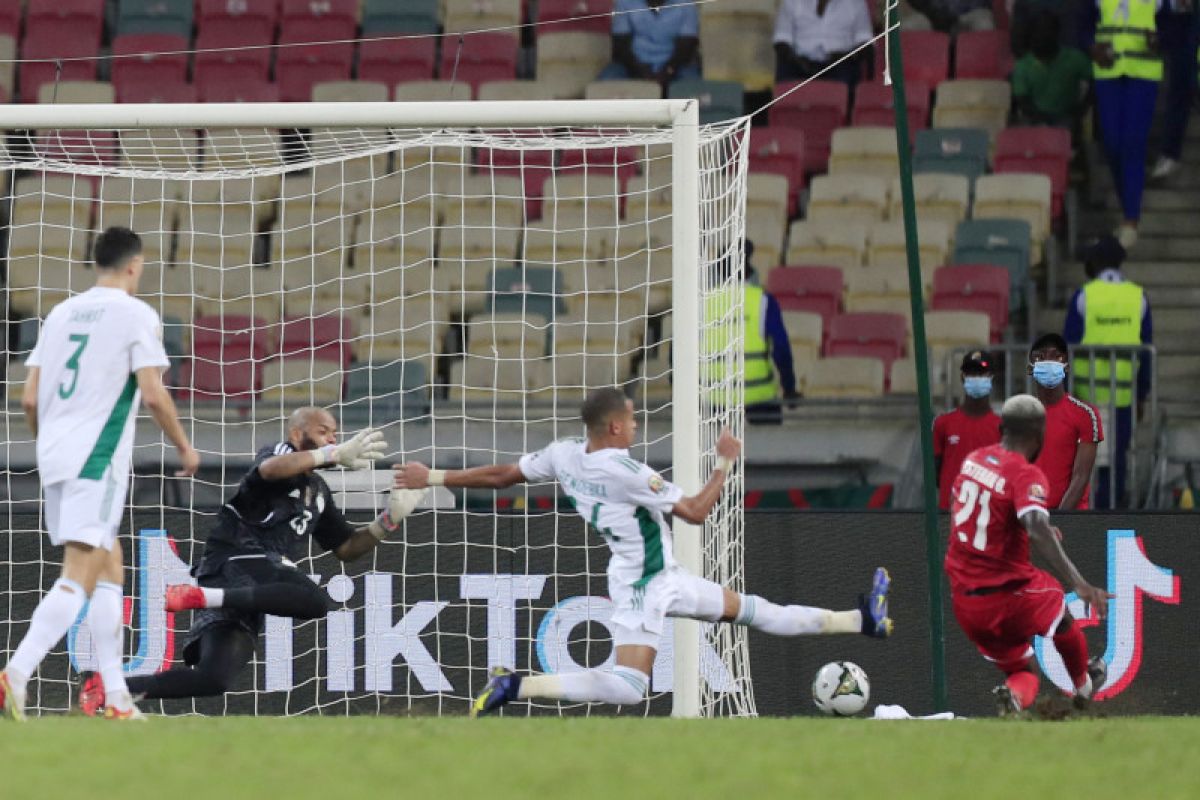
[(1000, 599), (967, 428)]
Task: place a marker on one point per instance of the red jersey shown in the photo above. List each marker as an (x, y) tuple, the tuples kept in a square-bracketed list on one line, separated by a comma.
[(988, 545), (955, 434), (1068, 422)]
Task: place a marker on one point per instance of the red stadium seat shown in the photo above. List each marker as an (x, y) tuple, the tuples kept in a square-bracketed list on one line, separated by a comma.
[(485, 57), (226, 24), (248, 90), (149, 66), (84, 18), (556, 16), (974, 287), (926, 57), (815, 289), (1042, 149), (983, 55), (96, 148), (318, 20), (50, 42), (149, 90), (873, 105), (251, 21), (817, 109), (620, 161), (392, 61), (204, 380), (533, 167), (874, 334), (10, 18), (298, 69), (325, 338), (226, 339), (780, 151)]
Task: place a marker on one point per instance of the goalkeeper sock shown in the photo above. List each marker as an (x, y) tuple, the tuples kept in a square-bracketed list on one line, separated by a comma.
[(105, 618), (1073, 648), (763, 615), (623, 686), (51, 620)]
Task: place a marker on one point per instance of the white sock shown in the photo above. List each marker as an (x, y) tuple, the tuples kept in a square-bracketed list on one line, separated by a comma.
[(765, 616), (213, 598), (1085, 689), (105, 618), (51, 620), (623, 686)]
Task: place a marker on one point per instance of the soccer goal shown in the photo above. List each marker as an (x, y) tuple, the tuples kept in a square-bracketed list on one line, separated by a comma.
[(457, 274)]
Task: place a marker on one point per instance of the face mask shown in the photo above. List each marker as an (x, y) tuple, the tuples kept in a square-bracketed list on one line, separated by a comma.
[(977, 386), (1049, 373)]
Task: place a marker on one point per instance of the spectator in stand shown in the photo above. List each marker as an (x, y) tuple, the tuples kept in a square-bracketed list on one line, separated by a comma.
[(1050, 82), (957, 433), (1025, 16), (1073, 429), (1127, 72), (948, 16), (1179, 34), (654, 40), (1110, 310), (812, 36)]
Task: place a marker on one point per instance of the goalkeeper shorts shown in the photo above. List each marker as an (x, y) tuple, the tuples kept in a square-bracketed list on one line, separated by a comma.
[(640, 610), (86, 511)]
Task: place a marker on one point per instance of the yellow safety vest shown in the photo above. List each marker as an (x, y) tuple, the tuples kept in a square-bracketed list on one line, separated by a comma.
[(1113, 315), (1124, 25), (758, 376)]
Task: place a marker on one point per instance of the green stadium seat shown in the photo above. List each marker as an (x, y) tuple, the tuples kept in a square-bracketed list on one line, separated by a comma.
[(155, 16), (961, 151), (1003, 242), (381, 17), (386, 391), (527, 290), (719, 100), (27, 333)]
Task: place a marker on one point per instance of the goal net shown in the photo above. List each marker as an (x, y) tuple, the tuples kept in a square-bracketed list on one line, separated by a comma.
[(460, 282)]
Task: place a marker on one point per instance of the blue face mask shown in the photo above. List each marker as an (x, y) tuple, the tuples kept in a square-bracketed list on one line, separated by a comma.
[(977, 386), (1049, 373)]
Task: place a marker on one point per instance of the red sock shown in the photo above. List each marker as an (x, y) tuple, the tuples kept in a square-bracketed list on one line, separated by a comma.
[(1024, 687), (1073, 648)]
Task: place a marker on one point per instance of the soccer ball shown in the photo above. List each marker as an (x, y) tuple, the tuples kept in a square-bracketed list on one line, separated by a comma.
[(841, 688)]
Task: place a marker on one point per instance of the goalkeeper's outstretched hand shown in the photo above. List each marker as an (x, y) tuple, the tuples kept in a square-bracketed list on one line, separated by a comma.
[(358, 453)]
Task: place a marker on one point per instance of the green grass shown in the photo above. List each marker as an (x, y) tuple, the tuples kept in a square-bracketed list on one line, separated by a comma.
[(347, 759)]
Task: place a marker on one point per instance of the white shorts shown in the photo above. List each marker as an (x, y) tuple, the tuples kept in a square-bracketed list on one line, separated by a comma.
[(639, 611), (86, 511)]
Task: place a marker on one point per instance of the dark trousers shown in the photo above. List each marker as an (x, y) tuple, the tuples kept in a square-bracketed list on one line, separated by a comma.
[(848, 72), (1178, 41), (1120, 461), (1124, 109)]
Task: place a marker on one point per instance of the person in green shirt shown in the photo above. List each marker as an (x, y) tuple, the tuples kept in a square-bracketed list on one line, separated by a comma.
[(1050, 82)]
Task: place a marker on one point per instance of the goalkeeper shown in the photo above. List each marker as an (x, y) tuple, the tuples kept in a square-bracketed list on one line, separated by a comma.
[(248, 568)]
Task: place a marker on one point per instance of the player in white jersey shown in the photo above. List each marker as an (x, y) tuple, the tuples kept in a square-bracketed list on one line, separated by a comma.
[(625, 501), (98, 354)]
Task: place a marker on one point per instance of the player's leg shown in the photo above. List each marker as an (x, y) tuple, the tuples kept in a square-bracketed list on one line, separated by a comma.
[(223, 652), (870, 618), (105, 618), (1087, 675), (982, 618), (268, 589)]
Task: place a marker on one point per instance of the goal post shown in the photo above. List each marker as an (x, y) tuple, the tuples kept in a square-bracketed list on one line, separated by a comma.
[(393, 223)]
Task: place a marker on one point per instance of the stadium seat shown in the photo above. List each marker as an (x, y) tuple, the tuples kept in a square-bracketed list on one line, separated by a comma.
[(948, 331), (973, 104), (493, 382), (591, 197), (838, 199), (139, 204), (387, 390), (248, 21), (405, 327), (8, 67), (939, 198), (326, 337), (870, 334), (244, 90), (1016, 195), (506, 335), (874, 106), (982, 55), (837, 378), (149, 90), (510, 90), (219, 72), (360, 91), (926, 57), (47, 42), (962, 151), (95, 147), (571, 60), (290, 382), (767, 197), (202, 380), (155, 16), (298, 69), (887, 245), (816, 109), (10, 18), (229, 338), (82, 17), (529, 290), (843, 245), (864, 151), (974, 287), (780, 151), (622, 90), (484, 57), (903, 377), (719, 100), (1042, 149), (737, 43), (472, 15), (878, 288), (817, 290), (1003, 242), (318, 20), (806, 334), (431, 91), (391, 61), (533, 167), (130, 67), (768, 234), (590, 16), (384, 17)]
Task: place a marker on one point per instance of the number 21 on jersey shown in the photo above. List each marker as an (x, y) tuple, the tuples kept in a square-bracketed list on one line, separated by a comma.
[(974, 501)]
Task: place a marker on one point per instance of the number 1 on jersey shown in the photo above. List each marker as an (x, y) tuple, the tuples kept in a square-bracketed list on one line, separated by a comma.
[(970, 497), (81, 340)]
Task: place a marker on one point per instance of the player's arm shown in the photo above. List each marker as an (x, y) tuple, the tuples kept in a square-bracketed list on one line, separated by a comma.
[(158, 402), (357, 542), (415, 475), (29, 398), (358, 453), (1081, 473), (695, 509), (1046, 541)]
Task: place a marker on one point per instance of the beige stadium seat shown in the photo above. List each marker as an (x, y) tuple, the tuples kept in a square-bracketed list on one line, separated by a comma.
[(52, 200), (350, 92), (8, 66), (570, 60), (623, 90), (973, 104), (1016, 195), (488, 381), (485, 200), (878, 288), (404, 327), (569, 375), (161, 148), (37, 283), (238, 289), (644, 267), (586, 197), (946, 331), (241, 148), (511, 90), (14, 382), (479, 15), (767, 233), (169, 290), (592, 332), (506, 336), (844, 378), (840, 199), (331, 188), (887, 246), (469, 254), (386, 242), (940, 197), (867, 150), (146, 205), (812, 243), (805, 331), (737, 42), (903, 379), (432, 91), (296, 381), (215, 236), (345, 183), (767, 195), (71, 92), (648, 198), (316, 233), (257, 194)]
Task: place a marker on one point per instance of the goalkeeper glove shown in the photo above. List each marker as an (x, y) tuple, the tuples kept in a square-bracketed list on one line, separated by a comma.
[(401, 503), (358, 453)]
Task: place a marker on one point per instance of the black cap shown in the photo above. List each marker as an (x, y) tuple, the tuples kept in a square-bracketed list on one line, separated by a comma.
[(977, 362), (1104, 252)]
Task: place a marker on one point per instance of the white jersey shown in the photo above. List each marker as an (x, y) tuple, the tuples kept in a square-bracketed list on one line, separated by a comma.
[(622, 499), (88, 351)]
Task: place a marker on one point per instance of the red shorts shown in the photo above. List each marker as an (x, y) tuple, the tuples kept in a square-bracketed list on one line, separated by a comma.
[(1002, 625)]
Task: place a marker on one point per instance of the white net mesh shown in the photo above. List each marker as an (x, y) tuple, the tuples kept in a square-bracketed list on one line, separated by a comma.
[(460, 289)]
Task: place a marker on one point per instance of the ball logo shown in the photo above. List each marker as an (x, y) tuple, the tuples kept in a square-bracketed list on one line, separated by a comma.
[(657, 485), (1037, 492)]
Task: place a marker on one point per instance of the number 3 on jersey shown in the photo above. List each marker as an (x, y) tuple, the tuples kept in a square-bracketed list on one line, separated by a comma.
[(974, 501), (80, 340)]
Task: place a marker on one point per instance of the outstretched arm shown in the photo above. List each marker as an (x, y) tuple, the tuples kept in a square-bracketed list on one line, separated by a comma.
[(695, 509), (415, 475), (357, 453), (1044, 538)]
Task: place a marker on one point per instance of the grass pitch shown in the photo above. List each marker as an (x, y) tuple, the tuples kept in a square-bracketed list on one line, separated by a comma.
[(350, 758)]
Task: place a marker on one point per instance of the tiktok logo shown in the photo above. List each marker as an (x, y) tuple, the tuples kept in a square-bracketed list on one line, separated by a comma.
[(1131, 577)]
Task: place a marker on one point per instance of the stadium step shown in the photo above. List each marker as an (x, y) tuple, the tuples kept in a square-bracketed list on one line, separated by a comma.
[(1175, 320), (1156, 200)]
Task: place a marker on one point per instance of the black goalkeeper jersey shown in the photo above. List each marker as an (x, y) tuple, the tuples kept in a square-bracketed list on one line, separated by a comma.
[(275, 516)]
